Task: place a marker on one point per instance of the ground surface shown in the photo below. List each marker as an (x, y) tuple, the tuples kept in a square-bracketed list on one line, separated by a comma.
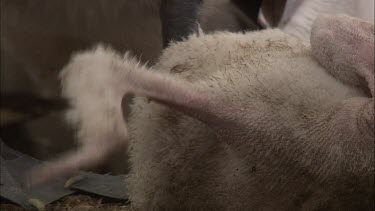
[(77, 203)]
